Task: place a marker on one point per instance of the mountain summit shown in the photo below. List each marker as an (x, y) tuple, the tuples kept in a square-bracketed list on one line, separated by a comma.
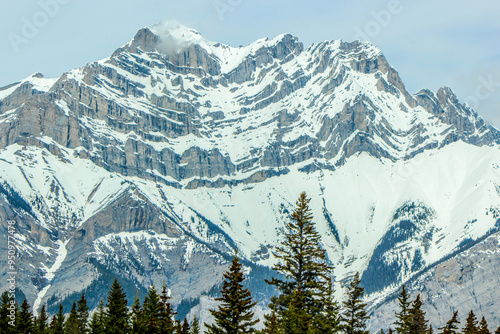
[(156, 163), (324, 103)]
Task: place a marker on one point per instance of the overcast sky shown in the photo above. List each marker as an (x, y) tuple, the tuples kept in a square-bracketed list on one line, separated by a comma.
[(431, 43)]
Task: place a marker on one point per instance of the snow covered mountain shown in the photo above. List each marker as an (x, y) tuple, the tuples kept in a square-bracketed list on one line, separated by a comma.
[(156, 163)]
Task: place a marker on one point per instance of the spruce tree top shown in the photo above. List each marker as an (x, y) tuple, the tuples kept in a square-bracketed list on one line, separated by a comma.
[(116, 319), (471, 326), (451, 326), (483, 327), (234, 315), (418, 323), (354, 317), (301, 259), (403, 319)]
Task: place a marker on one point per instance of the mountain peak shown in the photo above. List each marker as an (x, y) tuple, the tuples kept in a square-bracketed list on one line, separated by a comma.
[(172, 39), (167, 37), (162, 145), (144, 40), (177, 34)]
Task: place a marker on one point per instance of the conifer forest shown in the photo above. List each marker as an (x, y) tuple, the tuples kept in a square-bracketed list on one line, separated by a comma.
[(304, 302)]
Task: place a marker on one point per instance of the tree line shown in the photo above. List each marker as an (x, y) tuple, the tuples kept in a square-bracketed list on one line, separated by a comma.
[(304, 303)]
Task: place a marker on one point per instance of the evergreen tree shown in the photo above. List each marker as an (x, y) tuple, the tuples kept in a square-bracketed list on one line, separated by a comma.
[(96, 325), (353, 320), (42, 326), (151, 311), (71, 323), (471, 324), (326, 320), (271, 325), (295, 319), (82, 315), (181, 327), (483, 327), (57, 323), (185, 329), (195, 326), (498, 330), (137, 322), (418, 323), (451, 326), (116, 319), (24, 322), (403, 319), (302, 261), (235, 314), (167, 313), (177, 327)]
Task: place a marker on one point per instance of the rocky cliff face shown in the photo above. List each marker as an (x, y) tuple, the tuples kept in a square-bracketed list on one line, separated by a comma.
[(154, 164), (461, 282), (177, 105)]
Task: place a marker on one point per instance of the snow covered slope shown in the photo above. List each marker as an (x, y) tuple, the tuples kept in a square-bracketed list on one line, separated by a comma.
[(156, 163)]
